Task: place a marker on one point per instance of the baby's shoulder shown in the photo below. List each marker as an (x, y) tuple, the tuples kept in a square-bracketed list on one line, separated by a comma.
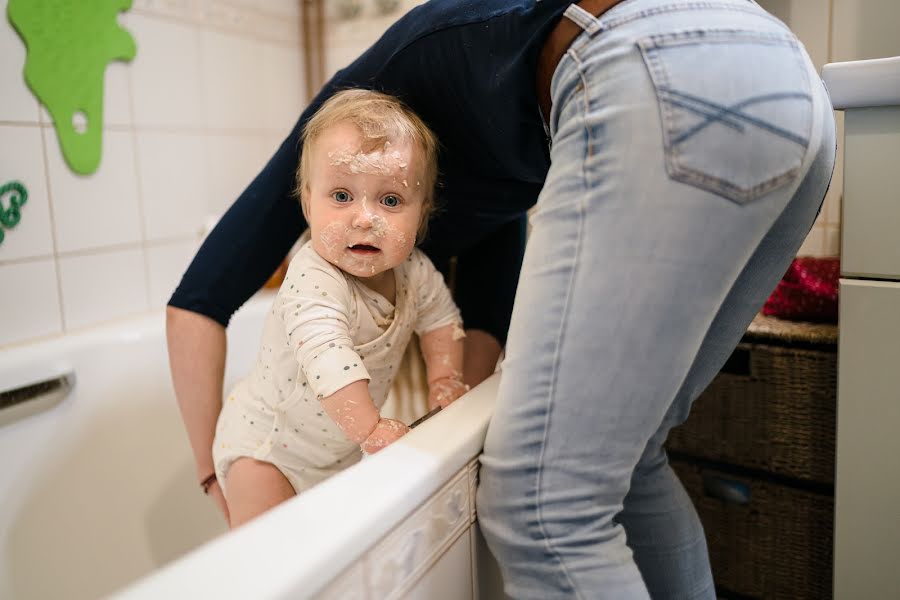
[(418, 266), (307, 270)]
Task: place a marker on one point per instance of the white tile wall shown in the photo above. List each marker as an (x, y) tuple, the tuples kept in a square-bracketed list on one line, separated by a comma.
[(173, 183), (231, 102), (117, 94), (29, 304), (832, 208), (98, 210), (865, 29), (814, 243), (16, 101), (165, 74), (22, 159), (215, 86), (832, 240), (809, 19), (166, 264), (233, 160), (102, 286), (348, 38), (289, 9), (281, 69), (369, 11)]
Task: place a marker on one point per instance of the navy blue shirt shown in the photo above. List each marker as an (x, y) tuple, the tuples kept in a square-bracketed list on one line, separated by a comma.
[(467, 68)]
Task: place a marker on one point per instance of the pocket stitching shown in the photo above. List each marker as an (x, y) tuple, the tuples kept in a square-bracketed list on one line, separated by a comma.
[(649, 47)]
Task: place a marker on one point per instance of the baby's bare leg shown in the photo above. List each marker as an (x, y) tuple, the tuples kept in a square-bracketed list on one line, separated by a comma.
[(253, 488)]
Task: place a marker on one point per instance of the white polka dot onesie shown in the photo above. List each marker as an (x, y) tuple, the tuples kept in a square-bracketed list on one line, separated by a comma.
[(325, 331)]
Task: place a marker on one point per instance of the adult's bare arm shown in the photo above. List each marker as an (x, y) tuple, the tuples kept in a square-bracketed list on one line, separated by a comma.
[(197, 348), (486, 278), (480, 356)]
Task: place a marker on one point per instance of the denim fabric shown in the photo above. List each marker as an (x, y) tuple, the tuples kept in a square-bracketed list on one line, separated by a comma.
[(693, 144)]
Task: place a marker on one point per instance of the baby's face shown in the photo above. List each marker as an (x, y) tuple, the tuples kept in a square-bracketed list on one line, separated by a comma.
[(364, 208)]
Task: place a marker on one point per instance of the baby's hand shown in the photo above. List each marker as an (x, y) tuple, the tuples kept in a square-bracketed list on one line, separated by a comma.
[(386, 432), (442, 392)]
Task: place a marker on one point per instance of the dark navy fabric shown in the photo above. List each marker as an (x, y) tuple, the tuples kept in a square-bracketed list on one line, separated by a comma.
[(467, 67)]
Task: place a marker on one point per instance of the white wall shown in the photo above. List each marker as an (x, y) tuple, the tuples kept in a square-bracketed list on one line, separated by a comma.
[(833, 31), (347, 37), (215, 86)]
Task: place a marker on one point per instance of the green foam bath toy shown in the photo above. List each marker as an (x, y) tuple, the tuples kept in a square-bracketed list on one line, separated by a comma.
[(11, 213), (69, 44)]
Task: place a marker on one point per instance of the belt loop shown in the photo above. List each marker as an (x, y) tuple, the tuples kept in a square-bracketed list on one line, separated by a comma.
[(582, 18)]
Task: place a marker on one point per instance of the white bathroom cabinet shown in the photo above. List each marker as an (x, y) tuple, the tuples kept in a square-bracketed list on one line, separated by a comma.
[(867, 493), (871, 219), (867, 482)]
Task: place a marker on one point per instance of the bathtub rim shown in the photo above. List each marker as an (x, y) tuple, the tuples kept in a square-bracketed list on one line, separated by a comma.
[(260, 560)]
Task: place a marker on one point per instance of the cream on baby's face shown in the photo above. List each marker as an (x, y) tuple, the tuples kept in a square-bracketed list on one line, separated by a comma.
[(364, 205)]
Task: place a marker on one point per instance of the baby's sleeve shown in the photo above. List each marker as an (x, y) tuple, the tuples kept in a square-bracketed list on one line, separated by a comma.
[(313, 304), (433, 300)]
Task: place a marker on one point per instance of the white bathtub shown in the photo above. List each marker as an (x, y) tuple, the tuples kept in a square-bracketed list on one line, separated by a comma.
[(98, 493)]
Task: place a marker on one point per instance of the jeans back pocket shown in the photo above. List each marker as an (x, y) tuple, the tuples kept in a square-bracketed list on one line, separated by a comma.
[(736, 108)]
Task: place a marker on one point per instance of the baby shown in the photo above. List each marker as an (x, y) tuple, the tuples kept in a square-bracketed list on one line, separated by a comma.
[(352, 297)]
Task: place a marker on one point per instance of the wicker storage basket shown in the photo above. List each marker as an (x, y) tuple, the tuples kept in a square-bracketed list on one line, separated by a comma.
[(766, 540), (773, 406)]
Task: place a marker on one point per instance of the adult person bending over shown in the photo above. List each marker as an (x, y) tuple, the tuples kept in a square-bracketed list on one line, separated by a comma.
[(692, 145)]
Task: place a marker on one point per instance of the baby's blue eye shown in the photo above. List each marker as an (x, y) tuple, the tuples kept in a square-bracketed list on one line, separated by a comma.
[(341, 196), (391, 201)]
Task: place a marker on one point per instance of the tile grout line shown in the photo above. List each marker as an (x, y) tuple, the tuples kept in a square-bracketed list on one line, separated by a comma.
[(199, 24), (27, 259), (107, 249), (135, 159), (170, 130), (53, 233), (268, 14), (16, 123)]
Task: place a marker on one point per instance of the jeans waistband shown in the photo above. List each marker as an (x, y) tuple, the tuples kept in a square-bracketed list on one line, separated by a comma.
[(630, 10)]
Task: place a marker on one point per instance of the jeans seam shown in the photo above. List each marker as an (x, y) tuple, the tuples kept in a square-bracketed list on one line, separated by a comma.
[(613, 22), (587, 130), (580, 205)]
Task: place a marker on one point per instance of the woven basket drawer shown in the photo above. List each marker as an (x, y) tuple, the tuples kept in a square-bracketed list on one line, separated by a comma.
[(771, 408), (766, 540)]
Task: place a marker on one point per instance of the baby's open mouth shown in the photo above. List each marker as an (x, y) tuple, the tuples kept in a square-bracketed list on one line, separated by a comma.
[(364, 249)]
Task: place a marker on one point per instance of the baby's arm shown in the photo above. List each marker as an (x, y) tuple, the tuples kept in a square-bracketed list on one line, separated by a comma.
[(443, 352), (351, 407), (313, 304)]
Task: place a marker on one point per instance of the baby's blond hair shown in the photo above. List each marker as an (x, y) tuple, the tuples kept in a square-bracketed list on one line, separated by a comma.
[(380, 118)]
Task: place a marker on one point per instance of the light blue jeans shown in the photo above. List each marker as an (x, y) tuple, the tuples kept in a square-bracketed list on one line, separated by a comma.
[(693, 143)]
